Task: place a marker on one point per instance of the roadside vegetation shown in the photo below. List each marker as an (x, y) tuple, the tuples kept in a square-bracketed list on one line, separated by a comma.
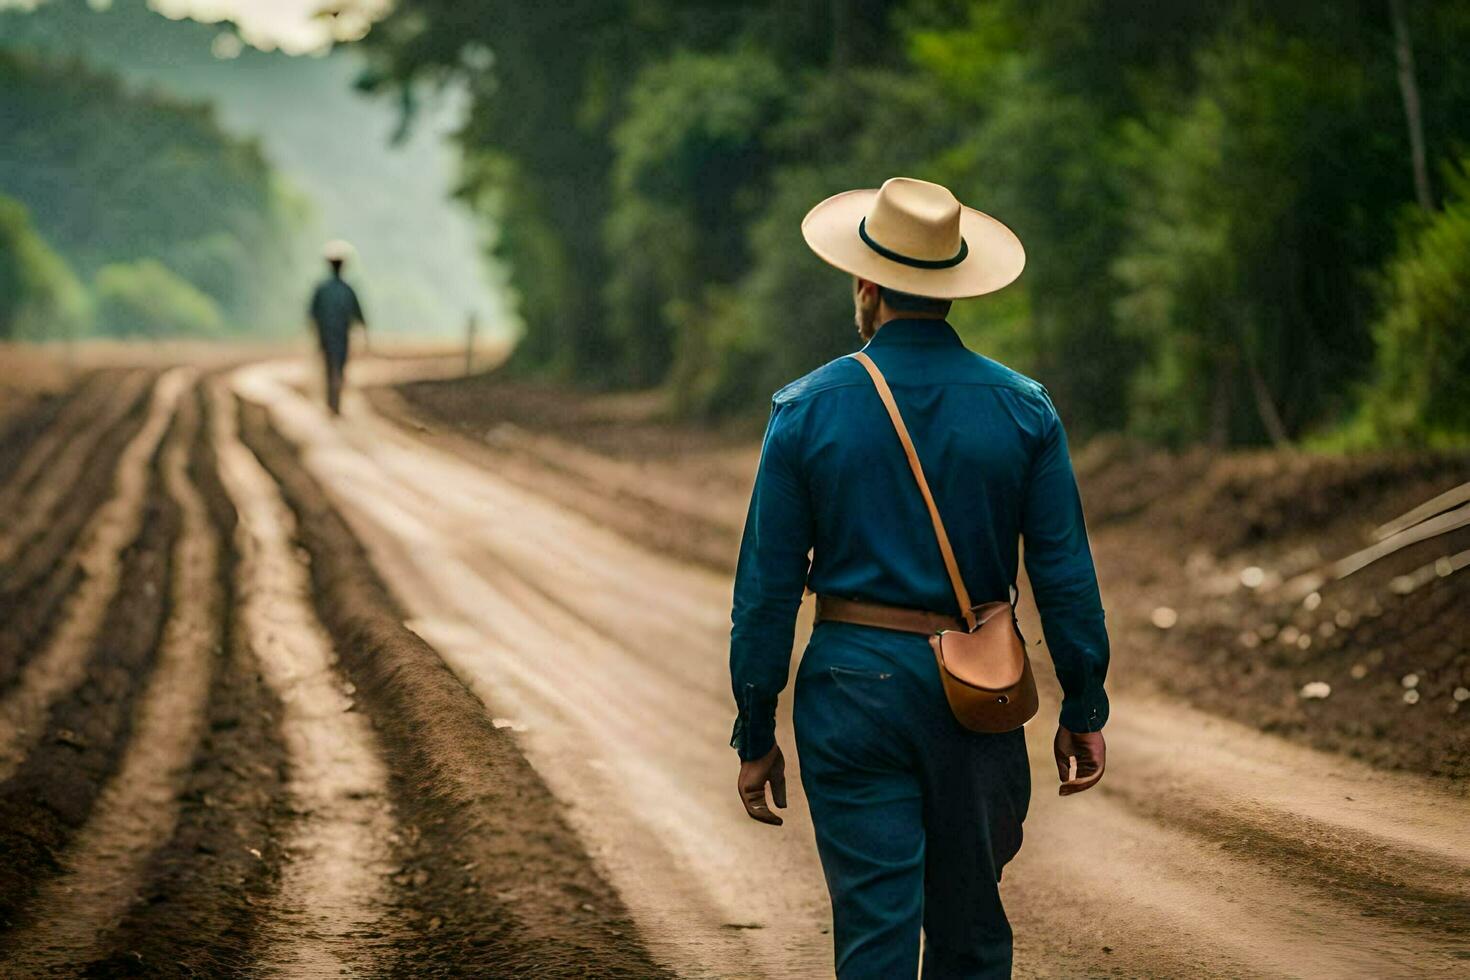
[(1241, 217)]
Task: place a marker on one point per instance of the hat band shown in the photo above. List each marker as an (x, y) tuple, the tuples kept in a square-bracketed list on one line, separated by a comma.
[(899, 257)]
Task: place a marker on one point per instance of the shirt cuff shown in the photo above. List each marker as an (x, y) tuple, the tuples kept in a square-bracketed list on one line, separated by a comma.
[(1085, 713), (755, 726)]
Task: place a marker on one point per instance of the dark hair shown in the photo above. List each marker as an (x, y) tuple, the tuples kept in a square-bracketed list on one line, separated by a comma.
[(909, 303)]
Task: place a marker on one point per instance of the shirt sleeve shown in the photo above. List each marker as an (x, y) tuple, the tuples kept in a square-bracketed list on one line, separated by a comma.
[(769, 581), (1064, 580), (357, 315)]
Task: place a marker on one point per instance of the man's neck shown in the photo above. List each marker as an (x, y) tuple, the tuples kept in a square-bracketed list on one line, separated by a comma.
[(887, 316)]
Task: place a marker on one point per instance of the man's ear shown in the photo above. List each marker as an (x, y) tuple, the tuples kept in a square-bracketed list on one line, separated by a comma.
[(865, 290)]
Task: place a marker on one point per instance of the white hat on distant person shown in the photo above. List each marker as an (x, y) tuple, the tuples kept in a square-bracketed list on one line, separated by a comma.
[(915, 237), (337, 250)]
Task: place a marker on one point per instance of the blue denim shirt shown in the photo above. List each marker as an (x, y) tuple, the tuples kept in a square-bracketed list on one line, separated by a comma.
[(836, 509)]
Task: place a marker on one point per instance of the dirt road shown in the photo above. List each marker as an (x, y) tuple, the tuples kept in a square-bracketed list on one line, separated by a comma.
[(497, 745)]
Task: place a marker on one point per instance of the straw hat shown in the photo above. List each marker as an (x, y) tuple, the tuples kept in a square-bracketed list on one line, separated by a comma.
[(913, 236), (337, 250)]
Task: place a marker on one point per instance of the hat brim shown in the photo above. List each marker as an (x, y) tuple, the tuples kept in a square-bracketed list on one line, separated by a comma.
[(996, 256)]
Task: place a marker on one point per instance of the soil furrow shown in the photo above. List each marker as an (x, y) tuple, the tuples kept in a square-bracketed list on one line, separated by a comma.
[(53, 524), (60, 472), (26, 431), (635, 713), (207, 888), (496, 882), (50, 795), (332, 910), (35, 436), (60, 665), (137, 809), (46, 571)]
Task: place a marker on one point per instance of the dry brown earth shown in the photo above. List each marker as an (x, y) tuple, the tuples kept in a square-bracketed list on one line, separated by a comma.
[(292, 696), (154, 731), (1171, 530)]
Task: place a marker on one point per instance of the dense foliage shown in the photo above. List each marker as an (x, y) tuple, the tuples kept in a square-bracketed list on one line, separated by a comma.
[(1212, 195), (1421, 391), (145, 299), (39, 294), (110, 176)]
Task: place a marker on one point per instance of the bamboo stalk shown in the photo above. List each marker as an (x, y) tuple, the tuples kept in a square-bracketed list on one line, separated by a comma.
[(1430, 508)]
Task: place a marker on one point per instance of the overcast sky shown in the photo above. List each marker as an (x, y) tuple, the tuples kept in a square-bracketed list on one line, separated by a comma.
[(294, 26)]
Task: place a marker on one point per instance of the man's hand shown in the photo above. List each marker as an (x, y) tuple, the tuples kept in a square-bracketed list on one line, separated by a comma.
[(1090, 752), (770, 768)]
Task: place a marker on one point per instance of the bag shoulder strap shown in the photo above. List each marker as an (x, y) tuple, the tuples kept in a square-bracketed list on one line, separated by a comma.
[(961, 594)]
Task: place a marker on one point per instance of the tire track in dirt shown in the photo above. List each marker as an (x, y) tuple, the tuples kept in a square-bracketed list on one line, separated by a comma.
[(60, 666), (81, 736), (78, 436), (499, 883), (137, 810), (330, 913), (623, 495), (1186, 860), (1408, 872), (209, 886)]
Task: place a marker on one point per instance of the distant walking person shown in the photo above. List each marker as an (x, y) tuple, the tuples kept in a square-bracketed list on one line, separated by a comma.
[(334, 309), (896, 484)]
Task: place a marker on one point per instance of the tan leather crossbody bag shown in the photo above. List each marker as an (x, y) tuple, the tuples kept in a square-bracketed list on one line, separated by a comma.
[(984, 667)]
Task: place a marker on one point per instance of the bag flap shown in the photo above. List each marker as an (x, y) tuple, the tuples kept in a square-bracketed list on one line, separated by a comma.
[(992, 657)]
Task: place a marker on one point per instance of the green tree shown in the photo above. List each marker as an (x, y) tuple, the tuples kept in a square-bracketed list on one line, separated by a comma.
[(551, 87), (785, 313), (109, 174), (1243, 272), (1420, 392), (40, 297), (691, 159), (540, 78), (1202, 188), (144, 299), (1044, 160)]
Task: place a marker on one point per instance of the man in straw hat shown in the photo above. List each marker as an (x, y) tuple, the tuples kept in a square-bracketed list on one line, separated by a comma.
[(915, 814), (334, 309)]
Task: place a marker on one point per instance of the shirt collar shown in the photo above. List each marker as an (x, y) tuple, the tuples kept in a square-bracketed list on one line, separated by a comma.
[(916, 333)]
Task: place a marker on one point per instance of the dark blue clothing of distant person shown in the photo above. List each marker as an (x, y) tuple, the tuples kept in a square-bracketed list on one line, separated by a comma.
[(915, 816), (334, 309)]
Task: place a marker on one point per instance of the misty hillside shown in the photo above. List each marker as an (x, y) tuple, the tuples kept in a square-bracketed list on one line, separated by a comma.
[(421, 267), (132, 214)]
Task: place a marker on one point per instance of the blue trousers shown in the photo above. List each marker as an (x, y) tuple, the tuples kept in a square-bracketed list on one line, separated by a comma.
[(915, 815)]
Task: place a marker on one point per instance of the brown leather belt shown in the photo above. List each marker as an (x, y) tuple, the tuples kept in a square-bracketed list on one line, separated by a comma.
[(833, 609)]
